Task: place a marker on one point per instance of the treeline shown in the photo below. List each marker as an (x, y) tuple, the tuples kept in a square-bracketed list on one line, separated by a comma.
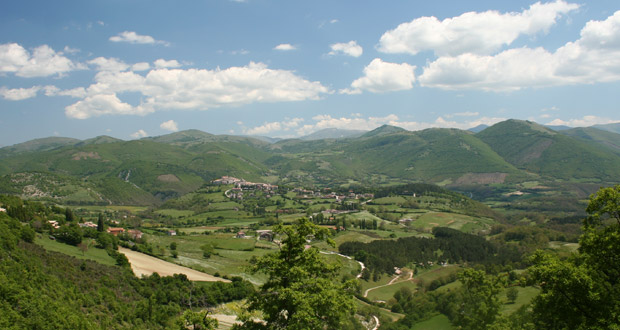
[(449, 245), (48, 290)]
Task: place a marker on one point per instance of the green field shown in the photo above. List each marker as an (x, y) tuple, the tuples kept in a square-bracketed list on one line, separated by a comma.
[(438, 322), (93, 253), (457, 221)]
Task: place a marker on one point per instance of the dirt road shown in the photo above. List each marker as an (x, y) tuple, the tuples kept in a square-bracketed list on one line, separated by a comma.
[(143, 264)]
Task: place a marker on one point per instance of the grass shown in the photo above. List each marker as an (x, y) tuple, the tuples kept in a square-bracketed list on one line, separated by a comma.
[(525, 296), (387, 292), (438, 322), (460, 222), (93, 253)]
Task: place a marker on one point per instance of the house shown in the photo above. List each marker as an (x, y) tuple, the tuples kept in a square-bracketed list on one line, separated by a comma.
[(172, 232), (240, 234), (54, 224), (116, 230), (88, 224), (265, 234), (2, 209), (135, 234)]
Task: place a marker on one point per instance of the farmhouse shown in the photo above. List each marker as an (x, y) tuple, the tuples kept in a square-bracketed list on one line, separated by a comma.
[(135, 234), (240, 234), (116, 230)]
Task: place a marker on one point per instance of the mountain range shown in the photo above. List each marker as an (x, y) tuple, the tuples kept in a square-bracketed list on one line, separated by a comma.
[(505, 156)]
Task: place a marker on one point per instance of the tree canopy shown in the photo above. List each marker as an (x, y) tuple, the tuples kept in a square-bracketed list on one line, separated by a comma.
[(300, 292), (582, 292)]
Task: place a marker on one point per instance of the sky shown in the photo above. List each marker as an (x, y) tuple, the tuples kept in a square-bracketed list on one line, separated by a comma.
[(136, 68)]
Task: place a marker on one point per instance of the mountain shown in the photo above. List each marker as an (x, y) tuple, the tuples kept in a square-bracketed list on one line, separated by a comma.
[(384, 130), (558, 127), (152, 170), (333, 133), (538, 149), (478, 128), (37, 145), (99, 140), (615, 127), (592, 134)]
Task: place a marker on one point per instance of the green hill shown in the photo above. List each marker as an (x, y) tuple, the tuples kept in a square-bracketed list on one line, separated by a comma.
[(591, 134), (540, 150)]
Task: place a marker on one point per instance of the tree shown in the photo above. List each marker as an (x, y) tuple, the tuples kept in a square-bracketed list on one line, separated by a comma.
[(477, 304), (196, 321), (582, 292), (511, 294), (300, 292), (207, 250), (100, 227), (69, 217)]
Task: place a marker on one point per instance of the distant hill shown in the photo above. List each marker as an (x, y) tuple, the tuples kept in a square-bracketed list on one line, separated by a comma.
[(152, 170), (333, 133), (384, 130), (538, 149), (615, 127), (558, 127), (478, 128), (592, 134), (36, 145)]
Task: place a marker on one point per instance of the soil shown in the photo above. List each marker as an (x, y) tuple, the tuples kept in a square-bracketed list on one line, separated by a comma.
[(143, 264)]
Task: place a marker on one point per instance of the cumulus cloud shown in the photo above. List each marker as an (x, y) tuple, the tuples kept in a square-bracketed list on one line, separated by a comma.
[(479, 33), (43, 61), (350, 48), (582, 122), (134, 38), (594, 57), (141, 66), (285, 47), (169, 125), (381, 77), (266, 128), (100, 104), (139, 134), (108, 64), (192, 89), (161, 63), (18, 94)]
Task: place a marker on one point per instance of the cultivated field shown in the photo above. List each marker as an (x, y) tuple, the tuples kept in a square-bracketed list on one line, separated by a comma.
[(142, 264)]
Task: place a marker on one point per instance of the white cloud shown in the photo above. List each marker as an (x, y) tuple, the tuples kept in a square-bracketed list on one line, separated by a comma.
[(141, 66), (583, 122), (98, 105), (169, 125), (380, 77), (359, 123), (43, 61), (350, 48), (69, 50), (283, 126), (139, 134), (134, 38), (192, 89), (18, 94), (479, 33), (161, 63), (595, 57), (285, 47), (108, 64)]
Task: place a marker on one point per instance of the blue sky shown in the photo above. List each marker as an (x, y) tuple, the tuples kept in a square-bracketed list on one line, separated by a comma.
[(131, 69)]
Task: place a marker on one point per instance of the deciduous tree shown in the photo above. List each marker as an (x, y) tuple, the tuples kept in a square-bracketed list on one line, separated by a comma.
[(301, 291)]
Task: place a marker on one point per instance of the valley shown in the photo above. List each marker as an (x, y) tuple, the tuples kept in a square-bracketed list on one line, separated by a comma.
[(417, 209)]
